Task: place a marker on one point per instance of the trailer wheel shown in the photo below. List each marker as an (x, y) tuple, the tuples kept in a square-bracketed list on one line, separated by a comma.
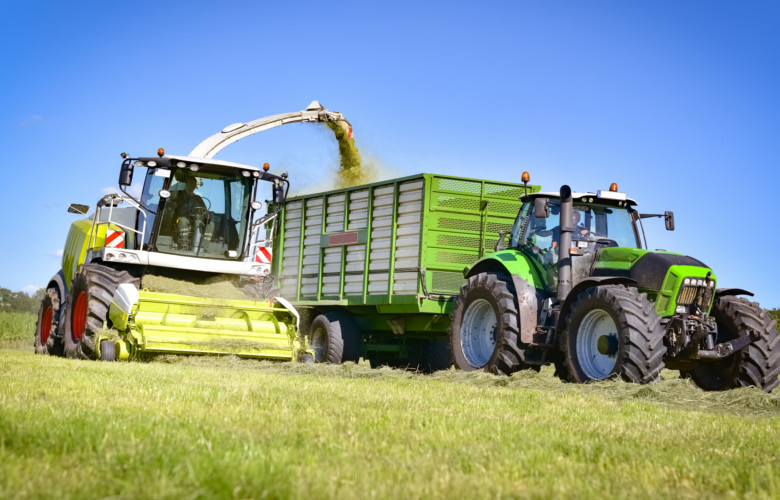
[(335, 338), (92, 289), (757, 365), (612, 331), (437, 355), (46, 340), (484, 334)]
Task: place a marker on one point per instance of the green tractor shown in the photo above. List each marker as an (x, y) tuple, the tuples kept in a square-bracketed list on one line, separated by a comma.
[(192, 228), (575, 288)]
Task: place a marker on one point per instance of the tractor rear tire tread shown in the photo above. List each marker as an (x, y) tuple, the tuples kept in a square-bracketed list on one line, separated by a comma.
[(508, 355)]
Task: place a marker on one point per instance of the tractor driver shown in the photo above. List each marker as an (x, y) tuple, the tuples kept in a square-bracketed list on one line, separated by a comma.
[(191, 215)]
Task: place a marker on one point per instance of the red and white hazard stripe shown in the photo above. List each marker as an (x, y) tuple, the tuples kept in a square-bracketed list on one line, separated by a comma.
[(115, 239), (263, 255)]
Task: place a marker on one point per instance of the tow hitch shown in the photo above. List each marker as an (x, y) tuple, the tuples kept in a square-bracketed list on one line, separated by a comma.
[(728, 348)]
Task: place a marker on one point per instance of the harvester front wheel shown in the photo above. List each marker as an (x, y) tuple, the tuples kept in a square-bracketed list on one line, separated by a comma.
[(757, 365), (335, 338), (92, 289), (612, 331), (484, 334), (46, 341)]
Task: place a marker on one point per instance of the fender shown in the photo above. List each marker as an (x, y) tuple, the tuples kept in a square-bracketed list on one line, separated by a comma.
[(529, 298), (725, 292), (582, 285)]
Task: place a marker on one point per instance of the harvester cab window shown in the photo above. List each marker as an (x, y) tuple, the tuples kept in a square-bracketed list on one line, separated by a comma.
[(203, 216)]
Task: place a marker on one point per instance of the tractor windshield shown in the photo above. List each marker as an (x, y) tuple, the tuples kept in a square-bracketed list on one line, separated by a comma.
[(205, 215)]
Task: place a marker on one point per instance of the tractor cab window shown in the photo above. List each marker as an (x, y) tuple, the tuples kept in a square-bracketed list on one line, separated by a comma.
[(204, 215)]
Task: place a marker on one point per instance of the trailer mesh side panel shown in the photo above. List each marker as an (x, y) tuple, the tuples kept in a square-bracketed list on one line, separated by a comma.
[(464, 220)]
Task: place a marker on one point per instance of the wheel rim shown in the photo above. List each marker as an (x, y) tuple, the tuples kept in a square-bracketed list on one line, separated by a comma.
[(46, 325), (478, 332), (319, 342), (597, 344), (79, 316)]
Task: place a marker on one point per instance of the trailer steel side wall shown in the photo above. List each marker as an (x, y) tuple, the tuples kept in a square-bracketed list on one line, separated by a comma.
[(391, 248)]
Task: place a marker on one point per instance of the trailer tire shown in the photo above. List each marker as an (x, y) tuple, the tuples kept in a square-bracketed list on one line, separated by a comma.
[(335, 338), (92, 289), (484, 333), (757, 365), (611, 331), (46, 340)]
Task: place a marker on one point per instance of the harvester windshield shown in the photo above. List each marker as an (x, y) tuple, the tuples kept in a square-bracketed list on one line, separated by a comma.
[(205, 214)]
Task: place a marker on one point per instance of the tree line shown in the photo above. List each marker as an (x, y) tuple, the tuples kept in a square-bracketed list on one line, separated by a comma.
[(20, 301)]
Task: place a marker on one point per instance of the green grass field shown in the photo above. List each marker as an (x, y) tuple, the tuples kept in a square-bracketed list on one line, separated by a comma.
[(229, 428)]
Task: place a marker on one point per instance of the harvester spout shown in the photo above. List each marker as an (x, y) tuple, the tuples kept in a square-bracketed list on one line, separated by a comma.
[(314, 112)]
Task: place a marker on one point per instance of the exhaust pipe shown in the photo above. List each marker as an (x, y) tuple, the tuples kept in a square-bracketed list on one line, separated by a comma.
[(564, 243)]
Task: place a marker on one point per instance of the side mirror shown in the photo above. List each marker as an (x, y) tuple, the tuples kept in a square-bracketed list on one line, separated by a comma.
[(669, 220), (126, 174), (75, 208), (541, 208), (279, 194)]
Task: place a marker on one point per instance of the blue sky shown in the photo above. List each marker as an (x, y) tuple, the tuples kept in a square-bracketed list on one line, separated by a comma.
[(677, 102)]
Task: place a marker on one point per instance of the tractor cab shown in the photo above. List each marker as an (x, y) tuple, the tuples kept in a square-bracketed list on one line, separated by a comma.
[(599, 220)]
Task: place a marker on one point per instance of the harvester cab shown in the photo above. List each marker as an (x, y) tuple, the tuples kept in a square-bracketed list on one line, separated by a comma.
[(577, 289)]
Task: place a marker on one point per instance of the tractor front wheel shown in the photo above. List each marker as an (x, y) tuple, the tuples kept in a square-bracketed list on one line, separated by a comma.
[(757, 365), (612, 331), (335, 338), (484, 334), (46, 340), (92, 289)]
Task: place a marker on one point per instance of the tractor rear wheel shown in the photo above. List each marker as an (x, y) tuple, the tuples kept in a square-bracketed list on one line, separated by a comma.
[(612, 331), (757, 365), (484, 333), (46, 340), (92, 289), (335, 338)]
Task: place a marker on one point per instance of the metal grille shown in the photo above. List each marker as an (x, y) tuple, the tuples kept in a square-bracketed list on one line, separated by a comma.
[(457, 241), (459, 186), (503, 191), (452, 202), (456, 258), (690, 293), (503, 208), (465, 225), (446, 282)]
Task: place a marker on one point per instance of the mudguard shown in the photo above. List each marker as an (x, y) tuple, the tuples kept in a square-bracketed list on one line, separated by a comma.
[(529, 288)]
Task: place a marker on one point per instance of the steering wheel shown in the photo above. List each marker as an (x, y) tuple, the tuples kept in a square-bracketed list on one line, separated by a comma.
[(207, 202), (606, 242)]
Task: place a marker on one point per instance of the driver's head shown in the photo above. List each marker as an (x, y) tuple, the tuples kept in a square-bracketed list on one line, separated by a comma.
[(191, 184)]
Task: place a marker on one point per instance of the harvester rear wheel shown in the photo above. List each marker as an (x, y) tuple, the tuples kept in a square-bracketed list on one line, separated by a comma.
[(92, 289), (46, 341), (612, 331), (335, 338), (484, 334), (757, 365)]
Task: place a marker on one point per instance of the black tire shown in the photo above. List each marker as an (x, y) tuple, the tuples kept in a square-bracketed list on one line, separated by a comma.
[(46, 340), (756, 365), (484, 332), (92, 289), (611, 331), (107, 350), (335, 338)]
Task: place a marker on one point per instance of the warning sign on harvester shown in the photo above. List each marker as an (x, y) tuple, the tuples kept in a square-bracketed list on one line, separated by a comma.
[(115, 239), (263, 255)]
